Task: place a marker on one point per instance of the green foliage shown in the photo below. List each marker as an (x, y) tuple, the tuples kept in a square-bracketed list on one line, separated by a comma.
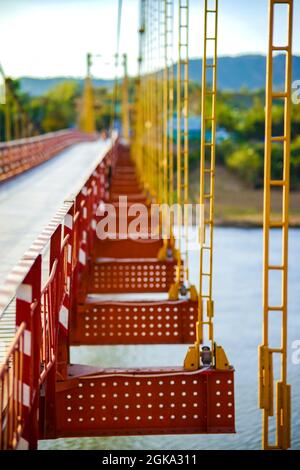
[(59, 107), (251, 125), (103, 107), (295, 164), (247, 163), (241, 114), (224, 150), (194, 152), (2, 124), (227, 116)]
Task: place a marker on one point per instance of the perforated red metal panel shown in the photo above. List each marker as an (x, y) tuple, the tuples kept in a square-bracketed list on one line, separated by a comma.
[(125, 217), (130, 275), (145, 401), (168, 322)]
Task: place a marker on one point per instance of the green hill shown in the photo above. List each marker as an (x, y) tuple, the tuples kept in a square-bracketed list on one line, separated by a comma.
[(40, 86), (234, 73), (246, 71)]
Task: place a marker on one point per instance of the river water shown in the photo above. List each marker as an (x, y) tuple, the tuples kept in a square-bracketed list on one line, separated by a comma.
[(238, 327)]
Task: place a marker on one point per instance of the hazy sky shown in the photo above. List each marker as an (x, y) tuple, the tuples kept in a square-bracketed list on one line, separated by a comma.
[(51, 37)]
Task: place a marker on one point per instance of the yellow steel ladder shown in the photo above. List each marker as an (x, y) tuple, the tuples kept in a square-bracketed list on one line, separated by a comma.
[(166, 31), (266, 369), (160, 102), (167, 18), (207, 195), (149, 157), (181, 286), (207, 172), (147, 101), (169, 14), (138, 141)]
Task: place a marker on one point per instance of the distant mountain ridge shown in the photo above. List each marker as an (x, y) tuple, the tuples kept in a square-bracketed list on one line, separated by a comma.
[(40, 86), (234, 73), (246, 71)]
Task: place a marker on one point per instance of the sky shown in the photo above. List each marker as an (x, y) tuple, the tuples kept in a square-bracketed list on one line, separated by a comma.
[(51, 37)]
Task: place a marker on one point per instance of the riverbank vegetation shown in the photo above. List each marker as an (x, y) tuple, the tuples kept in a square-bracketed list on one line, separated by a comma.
[(240, 142)]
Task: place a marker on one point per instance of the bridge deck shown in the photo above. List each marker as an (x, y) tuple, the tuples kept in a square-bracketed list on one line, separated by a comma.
[(29, 201)]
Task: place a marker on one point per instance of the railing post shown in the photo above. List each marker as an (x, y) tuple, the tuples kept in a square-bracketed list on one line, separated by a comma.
[(83, 262), (65, 310), (28, 310), (49, 390)]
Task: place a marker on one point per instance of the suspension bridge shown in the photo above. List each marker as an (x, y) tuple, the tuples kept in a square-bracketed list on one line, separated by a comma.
[(71, 287)]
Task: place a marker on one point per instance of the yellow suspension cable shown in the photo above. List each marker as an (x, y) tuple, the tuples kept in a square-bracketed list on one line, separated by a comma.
[(266, 373)]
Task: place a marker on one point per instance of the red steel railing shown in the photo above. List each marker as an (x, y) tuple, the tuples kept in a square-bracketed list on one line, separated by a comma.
[(52, 297), (12, 393), (21, 155)]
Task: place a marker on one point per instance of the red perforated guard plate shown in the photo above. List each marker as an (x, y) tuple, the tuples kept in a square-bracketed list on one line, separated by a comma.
[(145, 401), (131, 275), (148, 322)]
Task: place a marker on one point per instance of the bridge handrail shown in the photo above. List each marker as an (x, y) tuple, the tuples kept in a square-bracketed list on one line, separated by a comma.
[(35, 138), (52, 297), (17, 156)]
